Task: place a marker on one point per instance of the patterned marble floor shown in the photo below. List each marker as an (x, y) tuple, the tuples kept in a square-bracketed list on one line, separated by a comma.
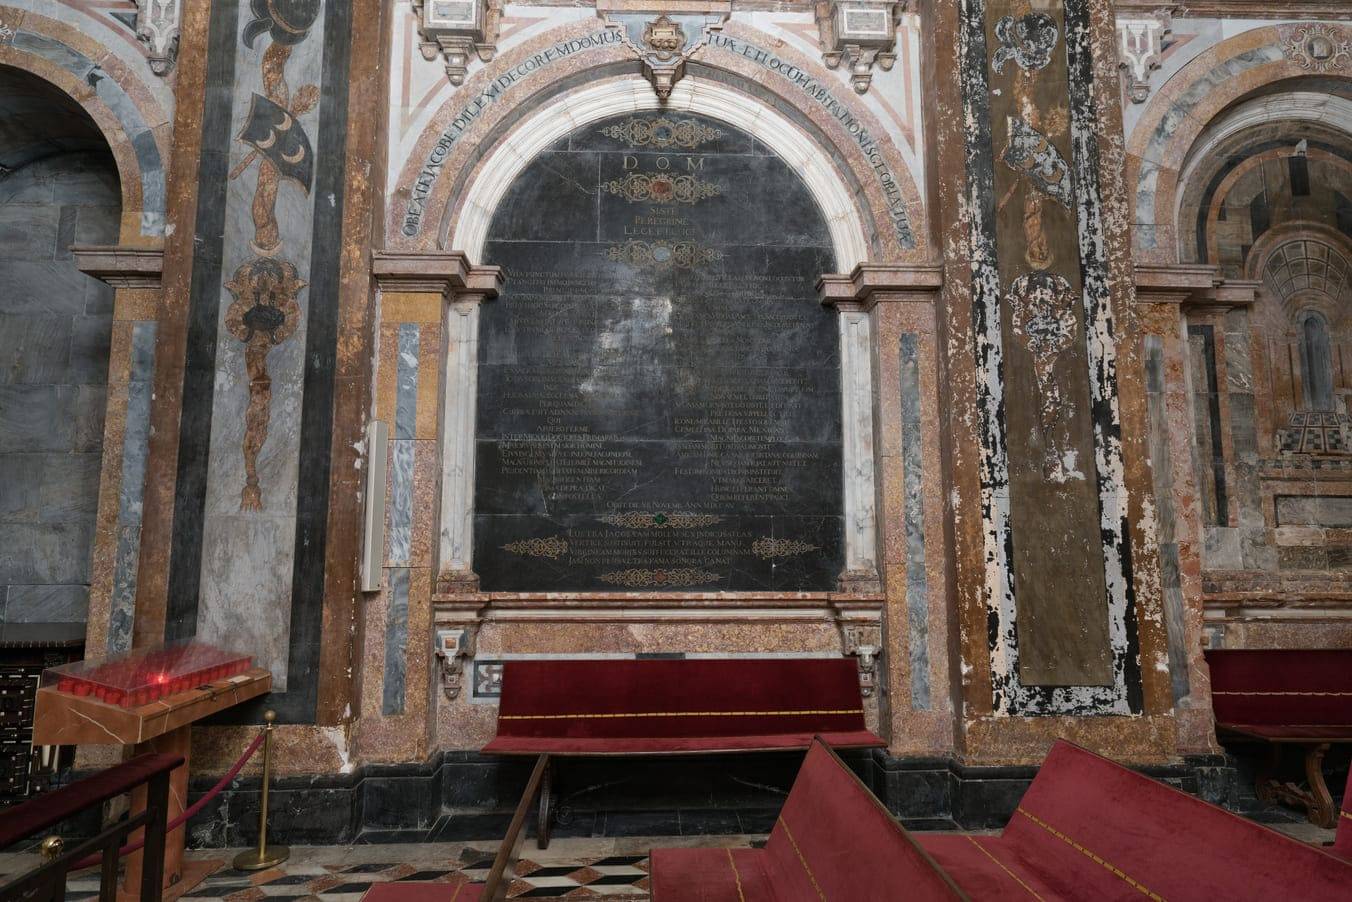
[(613, 870)]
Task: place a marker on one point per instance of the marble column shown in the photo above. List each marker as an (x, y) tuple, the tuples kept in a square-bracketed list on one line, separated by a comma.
[(899, 302), (461, 288), (134, 274)]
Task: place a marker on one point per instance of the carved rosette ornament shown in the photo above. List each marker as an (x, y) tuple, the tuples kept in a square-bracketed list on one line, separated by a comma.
[(861, 34), (459, 31), (157, 24), (1318, 47), (1141, 43)]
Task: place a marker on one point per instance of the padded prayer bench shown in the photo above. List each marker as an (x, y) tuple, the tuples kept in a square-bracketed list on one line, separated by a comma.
[(674, 707), (1091, 829), (1285, 697), (833, 840)]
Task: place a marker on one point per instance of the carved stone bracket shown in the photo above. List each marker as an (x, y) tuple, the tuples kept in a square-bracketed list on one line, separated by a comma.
[(859, 33), (1141, 40), (454, 646), (157, 23), (664, 44), (458, 30), (865, 642)]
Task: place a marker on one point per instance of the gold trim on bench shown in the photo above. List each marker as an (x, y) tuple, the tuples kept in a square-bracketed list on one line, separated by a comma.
[(793, 842), (1073, 844), (679, 714), (735, 876), (1000, 864), (1337, 694)]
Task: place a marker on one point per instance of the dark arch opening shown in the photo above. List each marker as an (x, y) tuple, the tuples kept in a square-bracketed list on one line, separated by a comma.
[(58, 187)]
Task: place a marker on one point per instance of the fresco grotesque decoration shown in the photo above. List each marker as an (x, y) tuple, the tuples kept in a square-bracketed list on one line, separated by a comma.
[(1027, 40)]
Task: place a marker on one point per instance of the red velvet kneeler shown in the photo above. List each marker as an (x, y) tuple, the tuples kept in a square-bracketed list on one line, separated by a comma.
[(1091, 829), (659, 707), (1342, 843), (833, 840), (1283, 693)]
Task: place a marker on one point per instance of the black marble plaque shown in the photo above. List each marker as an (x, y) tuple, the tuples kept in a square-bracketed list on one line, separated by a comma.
[(659, 388)]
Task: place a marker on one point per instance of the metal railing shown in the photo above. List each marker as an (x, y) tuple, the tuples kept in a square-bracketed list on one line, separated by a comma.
[(47, 883)]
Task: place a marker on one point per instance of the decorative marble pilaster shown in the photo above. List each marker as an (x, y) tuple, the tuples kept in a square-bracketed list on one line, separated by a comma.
[(134, 273), (1050, 501), (464, 287), (899, 302)]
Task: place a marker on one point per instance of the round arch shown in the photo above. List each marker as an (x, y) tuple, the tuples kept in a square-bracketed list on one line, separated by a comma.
[(467, 227), (1183, 110), (124, 112)]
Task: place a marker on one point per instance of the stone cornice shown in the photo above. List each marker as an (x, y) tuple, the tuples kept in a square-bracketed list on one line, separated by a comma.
[(870, 284), (448, 273), (120, 266), (1238, 9), (1193, 286)]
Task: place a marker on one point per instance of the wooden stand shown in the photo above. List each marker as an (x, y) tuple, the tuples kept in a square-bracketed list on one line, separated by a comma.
[(161, 726)]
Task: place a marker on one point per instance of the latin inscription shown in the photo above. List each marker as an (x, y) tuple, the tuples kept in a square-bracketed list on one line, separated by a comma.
[(659, 399)]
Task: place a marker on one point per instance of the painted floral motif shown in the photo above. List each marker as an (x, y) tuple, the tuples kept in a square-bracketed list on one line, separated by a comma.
[(263, 315), (662, 254), (661, 188), (1028, 40), (660, 520), (767, 548), (1318, 47), (662, 133), (641, 578), (1043, 315), (553, 547)]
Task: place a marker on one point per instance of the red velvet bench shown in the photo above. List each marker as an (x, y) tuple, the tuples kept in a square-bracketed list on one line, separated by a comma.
[(833, 840), (1091, 829), (673, 707), (1281, 698)]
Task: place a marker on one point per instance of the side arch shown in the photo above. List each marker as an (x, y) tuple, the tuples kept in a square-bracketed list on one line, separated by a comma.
[(130, 120), (1161, 145)]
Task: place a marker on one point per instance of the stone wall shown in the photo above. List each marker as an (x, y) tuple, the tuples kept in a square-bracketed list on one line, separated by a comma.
[(55, 324)]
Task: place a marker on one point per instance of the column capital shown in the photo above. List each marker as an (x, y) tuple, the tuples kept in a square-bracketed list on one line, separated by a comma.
[(120, 266), (448, 273), (870, 284)]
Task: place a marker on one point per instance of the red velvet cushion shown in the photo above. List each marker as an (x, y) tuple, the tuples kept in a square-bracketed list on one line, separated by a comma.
[(1342, 843), (709, 875), (678, 701), (1092, 829), (834, 840), (986, 867), (1281, 686)]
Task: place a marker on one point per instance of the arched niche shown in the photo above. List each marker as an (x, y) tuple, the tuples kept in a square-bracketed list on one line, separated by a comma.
[(58, 186), (659, 402)]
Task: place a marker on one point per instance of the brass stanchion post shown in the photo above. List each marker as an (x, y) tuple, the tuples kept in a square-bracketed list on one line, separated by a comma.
[(264, 856)]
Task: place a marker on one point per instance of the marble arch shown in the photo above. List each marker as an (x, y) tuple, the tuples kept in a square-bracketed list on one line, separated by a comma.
[(126, 113), (1162, 144), (566, 112), (859, 170)]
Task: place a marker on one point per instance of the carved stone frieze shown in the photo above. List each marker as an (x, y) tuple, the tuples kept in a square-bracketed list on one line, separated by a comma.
[(459, 31), (1141, 40), (861, 34), (157, 23)]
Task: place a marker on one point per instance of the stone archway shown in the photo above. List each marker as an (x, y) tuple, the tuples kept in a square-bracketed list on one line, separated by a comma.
[(59, 186)]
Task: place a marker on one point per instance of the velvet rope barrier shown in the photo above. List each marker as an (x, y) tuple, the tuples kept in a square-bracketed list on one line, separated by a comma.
[(91, 860)]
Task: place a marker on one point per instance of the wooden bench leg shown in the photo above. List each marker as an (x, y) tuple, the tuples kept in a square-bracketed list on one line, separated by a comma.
[(1320, 805), (544, 814), (1269, 775)]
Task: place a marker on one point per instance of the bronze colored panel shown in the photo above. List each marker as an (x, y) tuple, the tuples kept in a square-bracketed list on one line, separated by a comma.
[(1059, 583)]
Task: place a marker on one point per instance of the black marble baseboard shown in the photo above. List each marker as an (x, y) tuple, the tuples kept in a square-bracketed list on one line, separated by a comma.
[(459, 796)]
